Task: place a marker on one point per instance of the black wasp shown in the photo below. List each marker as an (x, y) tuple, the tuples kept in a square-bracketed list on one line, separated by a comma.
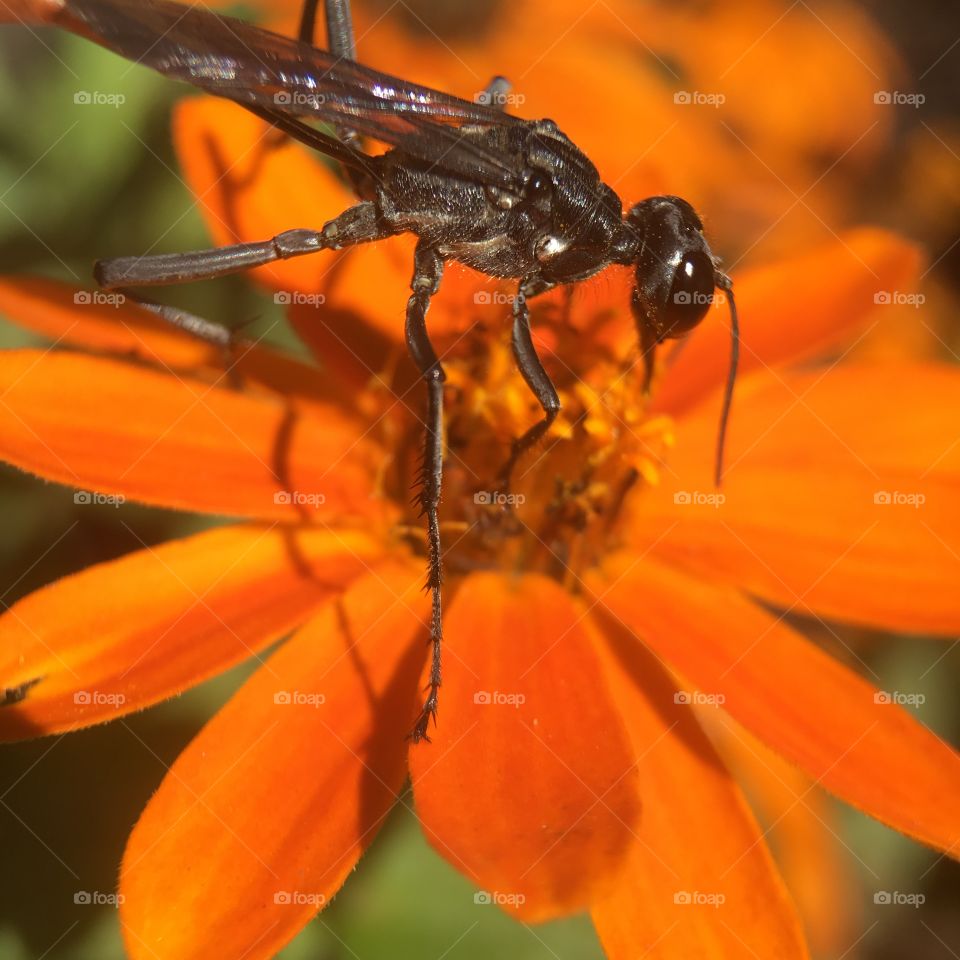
[(505, 196)]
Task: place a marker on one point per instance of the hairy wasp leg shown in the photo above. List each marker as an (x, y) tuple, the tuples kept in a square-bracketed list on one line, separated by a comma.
[(536, 377), (427, 271), (356, 225)]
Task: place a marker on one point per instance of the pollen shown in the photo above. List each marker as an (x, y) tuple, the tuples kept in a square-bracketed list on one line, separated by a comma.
[(559, 511)]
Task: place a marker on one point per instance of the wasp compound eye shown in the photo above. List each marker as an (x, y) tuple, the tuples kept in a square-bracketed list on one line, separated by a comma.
[(690, 295)]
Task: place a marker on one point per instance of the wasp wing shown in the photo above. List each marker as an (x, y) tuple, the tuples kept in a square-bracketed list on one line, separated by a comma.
[(279, 75)]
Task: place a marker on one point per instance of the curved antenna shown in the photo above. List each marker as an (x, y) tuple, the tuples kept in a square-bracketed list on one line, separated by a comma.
[(726, 284)]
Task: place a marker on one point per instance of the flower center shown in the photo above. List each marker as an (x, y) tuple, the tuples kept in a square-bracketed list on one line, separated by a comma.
[(559, 514)]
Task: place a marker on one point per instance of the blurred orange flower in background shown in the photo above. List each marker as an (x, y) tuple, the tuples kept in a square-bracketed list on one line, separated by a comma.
[(614, 662)]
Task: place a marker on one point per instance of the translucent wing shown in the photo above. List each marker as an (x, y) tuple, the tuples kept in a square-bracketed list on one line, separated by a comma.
[(264, 70)]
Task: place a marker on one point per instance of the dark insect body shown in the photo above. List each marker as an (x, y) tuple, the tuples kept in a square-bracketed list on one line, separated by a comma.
[(508, 197)]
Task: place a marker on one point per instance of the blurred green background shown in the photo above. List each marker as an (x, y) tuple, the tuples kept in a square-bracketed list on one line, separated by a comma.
[(78, 184)]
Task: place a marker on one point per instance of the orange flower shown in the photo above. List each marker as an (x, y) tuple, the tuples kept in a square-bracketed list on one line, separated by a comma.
[(569, 770)]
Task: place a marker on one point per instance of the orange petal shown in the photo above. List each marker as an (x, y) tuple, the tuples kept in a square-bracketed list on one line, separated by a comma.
[(97, 321), (840, 500), (260, 820), (793, 696), (791, 310), (189, 610), (805, 834), (530, 787), (701, 881), (889, 419), (123, 430)]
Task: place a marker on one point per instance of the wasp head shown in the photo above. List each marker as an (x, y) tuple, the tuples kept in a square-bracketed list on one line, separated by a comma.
[(676, 278)]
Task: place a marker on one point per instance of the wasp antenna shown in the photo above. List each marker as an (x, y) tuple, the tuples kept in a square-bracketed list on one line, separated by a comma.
[(726, 284)]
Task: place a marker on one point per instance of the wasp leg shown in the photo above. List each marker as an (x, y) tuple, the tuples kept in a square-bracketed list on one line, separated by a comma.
[(536, 377), (226, 339), (341, 43), (427, 271), (358, 224), (339, 26)]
